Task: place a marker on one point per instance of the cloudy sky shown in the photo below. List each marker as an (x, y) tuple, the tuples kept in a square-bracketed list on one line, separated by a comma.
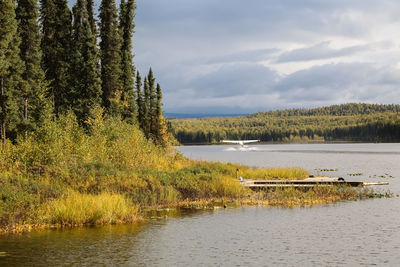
[(235, 56)]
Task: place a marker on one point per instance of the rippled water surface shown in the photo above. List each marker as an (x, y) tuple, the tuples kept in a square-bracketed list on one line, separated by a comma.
[(348, 233)]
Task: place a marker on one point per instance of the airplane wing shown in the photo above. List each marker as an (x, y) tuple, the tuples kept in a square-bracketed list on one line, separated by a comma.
[(231, 141), (240, 141), (250, 141)]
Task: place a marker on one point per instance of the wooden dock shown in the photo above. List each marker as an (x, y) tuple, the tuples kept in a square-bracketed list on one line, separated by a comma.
[(306, 183)]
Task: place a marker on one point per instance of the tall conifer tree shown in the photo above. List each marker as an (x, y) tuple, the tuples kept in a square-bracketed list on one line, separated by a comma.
[(85, 71), (145, 123), (139, 99), (91, 18), (11, 68), (36, 107), (56, 46), (126, 28), (158, 117), (151, 100), (110, 47)]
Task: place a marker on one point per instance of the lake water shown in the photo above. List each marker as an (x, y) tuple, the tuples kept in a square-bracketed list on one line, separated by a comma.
[(350, 233)]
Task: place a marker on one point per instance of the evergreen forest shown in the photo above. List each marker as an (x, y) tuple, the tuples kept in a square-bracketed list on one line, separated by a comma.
[(54, 60), (347, 122)]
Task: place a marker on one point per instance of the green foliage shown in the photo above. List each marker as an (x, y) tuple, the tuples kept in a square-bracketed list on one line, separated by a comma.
[(11, 68), (126, 27), (85, 71), (110, 49), (36, 107), (56, 20), (91, 18), (139, 100), (350, 122)]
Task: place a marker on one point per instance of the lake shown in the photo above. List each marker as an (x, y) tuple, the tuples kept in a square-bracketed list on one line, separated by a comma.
[(348, 233)]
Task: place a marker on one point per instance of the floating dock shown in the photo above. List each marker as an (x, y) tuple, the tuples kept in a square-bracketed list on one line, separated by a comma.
[(308, 182)]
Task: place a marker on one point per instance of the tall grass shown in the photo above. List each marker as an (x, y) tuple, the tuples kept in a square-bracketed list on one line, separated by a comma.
[(275, 173), (81, 209)]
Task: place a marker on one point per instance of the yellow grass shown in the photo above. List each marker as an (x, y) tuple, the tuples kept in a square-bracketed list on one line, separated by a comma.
[(274, 173), (80, 209)]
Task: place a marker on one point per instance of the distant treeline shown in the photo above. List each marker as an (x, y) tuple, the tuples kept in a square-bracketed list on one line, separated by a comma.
[(346, 122)]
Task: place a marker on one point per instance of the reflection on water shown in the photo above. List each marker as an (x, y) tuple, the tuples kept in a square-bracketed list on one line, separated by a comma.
[(348, 233), (242, 149)]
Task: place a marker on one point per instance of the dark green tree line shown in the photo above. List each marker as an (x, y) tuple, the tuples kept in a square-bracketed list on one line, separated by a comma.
[(347, 122)]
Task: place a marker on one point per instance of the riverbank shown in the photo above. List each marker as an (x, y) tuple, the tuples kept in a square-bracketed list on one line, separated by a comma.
[(107, 172)]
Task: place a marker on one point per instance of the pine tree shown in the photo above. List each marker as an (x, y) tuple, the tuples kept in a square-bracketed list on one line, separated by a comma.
[(85, 71), (36, 107), (110, 47), (126, 28), (11, 68)]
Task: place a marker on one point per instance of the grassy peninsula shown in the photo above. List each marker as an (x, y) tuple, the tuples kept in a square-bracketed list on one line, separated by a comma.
[(107, 172)]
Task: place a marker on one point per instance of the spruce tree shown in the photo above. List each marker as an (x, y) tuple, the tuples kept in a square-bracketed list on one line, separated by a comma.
[(139, 99), (36, 107), (145, 123), (151, 101), (92, 20), (159, 132), (158, 115), (126, 28), (85, 71), (11, 68), (110, 47), (56, 46)]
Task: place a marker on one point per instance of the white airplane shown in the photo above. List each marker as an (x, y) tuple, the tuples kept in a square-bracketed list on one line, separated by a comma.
[(240, 142)]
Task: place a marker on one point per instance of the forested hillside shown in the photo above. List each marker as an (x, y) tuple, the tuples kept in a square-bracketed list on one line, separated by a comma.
[(346, 122)]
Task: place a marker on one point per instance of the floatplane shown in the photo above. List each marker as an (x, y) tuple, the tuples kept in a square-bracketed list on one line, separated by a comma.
[(240, 142)]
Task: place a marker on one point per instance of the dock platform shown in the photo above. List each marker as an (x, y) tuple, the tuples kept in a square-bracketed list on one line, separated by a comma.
[(308, 182)]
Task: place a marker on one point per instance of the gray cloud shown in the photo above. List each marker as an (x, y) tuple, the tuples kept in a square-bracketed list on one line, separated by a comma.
[(245, 56), (319, 51), (206, 53), (345, 82), (236, 79)]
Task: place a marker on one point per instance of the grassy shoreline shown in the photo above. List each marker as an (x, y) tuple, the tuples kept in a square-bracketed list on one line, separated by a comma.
[(107, 172), (280, 197)]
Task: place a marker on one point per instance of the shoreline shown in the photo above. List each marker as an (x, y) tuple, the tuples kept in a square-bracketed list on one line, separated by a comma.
[(257, 199)]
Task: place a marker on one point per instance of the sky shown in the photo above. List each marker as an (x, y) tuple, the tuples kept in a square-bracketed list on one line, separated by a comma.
[(235, 56)]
